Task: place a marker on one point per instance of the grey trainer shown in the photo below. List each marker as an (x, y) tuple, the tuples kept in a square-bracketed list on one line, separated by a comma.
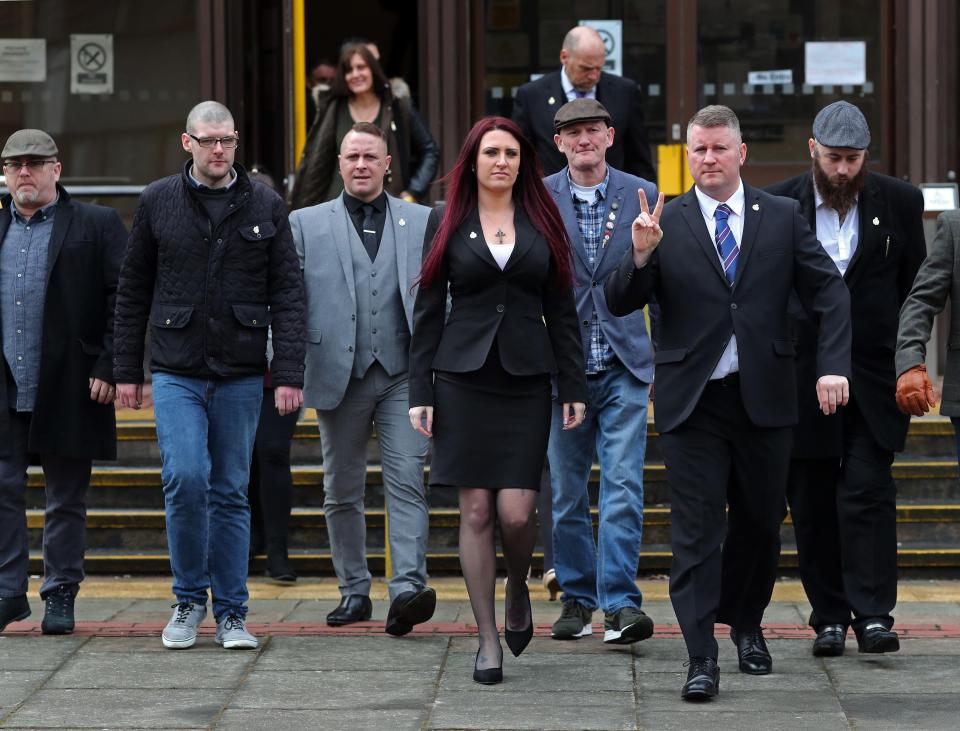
[(575, 621), (181, 631), (626, 626), (232, 633)]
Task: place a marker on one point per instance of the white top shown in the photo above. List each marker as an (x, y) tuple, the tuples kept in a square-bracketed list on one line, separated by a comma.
[(588, 193), (501, 253), (839, 240), (570, 92), (729, 362)]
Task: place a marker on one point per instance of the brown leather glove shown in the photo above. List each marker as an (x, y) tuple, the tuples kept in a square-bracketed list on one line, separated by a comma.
[(915, 394)]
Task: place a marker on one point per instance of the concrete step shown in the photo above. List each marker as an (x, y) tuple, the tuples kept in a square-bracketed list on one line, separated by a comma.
[(145, 530), (140, 486), (918, 559)]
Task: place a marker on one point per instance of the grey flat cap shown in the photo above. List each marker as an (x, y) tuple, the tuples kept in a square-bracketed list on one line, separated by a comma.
[(841, 125), (580, 110), (33, 142)]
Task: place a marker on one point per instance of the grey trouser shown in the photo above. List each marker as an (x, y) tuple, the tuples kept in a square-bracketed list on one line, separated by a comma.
[(65, 519), (344, 432)]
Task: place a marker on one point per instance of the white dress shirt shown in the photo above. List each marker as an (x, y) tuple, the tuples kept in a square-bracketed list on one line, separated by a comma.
[(728, 362), (839, 240), (570, 92)]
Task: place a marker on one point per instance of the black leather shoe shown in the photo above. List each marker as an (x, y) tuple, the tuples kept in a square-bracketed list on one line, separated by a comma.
[(13, 609), (830, 641), (878, 638), (703, 680), (58, 610), (518, 639), (752, 650), (353, 608), (279, 569), (408, 609)]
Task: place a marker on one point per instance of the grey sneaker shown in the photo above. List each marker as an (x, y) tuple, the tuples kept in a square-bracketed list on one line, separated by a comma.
[(626, 626), (181, 631), (232, 634), (575, 621)]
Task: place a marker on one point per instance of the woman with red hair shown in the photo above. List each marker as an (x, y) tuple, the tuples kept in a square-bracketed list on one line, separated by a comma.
[(480, 377)]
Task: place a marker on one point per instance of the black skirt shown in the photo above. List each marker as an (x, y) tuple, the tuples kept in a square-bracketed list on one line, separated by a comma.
[(490, 427)]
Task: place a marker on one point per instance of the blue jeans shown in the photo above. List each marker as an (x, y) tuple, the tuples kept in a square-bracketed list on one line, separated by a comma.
[(604, 573), (206, 429)]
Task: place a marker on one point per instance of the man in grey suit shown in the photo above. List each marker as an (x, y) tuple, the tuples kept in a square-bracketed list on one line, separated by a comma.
[(935, 282), (360, 254)]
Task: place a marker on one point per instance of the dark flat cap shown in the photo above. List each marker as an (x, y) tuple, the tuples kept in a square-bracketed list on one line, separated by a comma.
[(29, 142), (580, 110), (841, 125)]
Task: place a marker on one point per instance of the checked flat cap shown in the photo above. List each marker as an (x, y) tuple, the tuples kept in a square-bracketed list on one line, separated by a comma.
[(841, 125), (580, 110)]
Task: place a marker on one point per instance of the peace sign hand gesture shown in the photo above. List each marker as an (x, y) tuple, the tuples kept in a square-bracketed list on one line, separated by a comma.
[(646, 230)]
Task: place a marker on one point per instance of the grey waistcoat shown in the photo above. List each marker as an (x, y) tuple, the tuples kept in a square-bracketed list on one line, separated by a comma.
[(382, 332)]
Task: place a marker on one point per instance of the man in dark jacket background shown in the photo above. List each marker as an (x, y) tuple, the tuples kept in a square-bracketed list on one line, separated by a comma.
[(841, 490), (59, 261), (581, 76), (211, 264)]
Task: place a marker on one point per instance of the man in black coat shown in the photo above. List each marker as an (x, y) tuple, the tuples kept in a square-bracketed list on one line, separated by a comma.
[(581, 76), (59, 261), (210, 265), (726, 401), (841, 491)]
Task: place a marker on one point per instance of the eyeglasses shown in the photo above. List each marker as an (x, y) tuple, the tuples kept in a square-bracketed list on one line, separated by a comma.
[(225, 142), (34, 166)]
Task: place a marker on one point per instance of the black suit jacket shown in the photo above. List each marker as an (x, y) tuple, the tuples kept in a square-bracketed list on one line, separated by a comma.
[(85, 252), (890, 249), (699, 310), (537, 102), (533, 320)]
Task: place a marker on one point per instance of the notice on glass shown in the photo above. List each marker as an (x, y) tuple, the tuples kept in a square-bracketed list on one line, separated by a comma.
[(835, 63), (23, 59), (91, 63)]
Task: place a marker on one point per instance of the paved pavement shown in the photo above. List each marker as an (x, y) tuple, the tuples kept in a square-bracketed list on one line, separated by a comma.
[(114, 673)]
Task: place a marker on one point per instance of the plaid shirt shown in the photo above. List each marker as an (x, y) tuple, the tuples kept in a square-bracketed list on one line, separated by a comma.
[(590, 219)]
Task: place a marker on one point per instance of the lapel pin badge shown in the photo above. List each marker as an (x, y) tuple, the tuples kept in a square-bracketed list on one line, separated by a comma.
[(876, 221), (615, 205), (473, 234), (610, 224), (256, 229), (551, 101), (613, 216), (756, 206), (402, 222), (393, 126)]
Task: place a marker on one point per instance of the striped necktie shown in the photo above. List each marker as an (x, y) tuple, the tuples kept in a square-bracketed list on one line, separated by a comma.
[(726, 243)]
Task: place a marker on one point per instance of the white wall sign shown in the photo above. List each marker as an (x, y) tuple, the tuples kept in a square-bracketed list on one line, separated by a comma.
[(777, 76), (23, 59), (940, 196), (835, 63), (612, 33), (91, 64)]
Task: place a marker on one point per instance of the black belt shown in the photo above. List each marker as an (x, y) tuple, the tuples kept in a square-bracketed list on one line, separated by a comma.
[(727, 381)]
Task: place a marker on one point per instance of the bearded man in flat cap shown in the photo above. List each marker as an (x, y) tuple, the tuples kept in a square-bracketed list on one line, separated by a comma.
[(59, 263), (841, 490)]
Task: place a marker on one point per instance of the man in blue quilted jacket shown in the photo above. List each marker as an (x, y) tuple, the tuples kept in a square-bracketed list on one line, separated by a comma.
[(210, 265)]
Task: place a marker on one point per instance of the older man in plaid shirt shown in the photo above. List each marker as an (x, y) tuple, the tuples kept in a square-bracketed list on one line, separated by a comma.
[(598, 204)]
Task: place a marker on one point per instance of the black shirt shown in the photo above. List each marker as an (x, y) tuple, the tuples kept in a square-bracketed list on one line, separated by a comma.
[(355, 208)]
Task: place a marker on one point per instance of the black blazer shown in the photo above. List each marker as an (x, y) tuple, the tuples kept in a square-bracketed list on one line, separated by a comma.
[(699, 310), (85, 252), (537, 102), (534, 321), (890, 249)]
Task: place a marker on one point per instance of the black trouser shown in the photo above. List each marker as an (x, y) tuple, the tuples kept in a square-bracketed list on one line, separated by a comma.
[(66, 481), (271, 487), (716, 458), (845, 518)]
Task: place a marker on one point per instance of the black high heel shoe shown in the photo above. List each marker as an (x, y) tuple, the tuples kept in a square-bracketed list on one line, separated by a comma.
[(487, 676), (517, 640)]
